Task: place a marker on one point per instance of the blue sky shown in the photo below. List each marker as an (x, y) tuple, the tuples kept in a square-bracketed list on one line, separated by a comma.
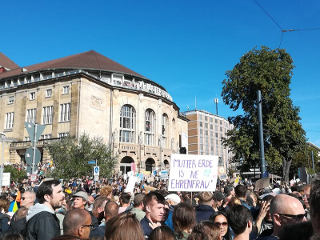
[(186, 46)]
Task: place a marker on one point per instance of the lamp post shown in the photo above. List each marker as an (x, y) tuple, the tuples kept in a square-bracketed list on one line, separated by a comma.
[(2, 136)]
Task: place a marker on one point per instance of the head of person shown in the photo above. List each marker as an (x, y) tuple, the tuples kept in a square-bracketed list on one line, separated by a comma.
[(218, 198), (106, 191), (12, 236), (50, 193), (205, 230), (220, 219), (286, 210), (122, 227), (4, 205), (268, 199), (98, 207), (160, 233), (173, 199), (229, 191), (314, 202), (77, 222), (154, 206), (183, 218), (111, 210), (252, 199), (80, 200), (240, 219), (206, 198), (240, 191), (27, 199), (138, 201), (166, 210), (124, 199), (306, 195)]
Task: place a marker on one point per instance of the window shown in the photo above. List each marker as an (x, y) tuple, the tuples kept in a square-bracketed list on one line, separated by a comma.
[(31, 115), (200, 116), (127, 123), (32, 95), (65, 112), (47, 115), (164, 129), (48, 93), (9, 120), (216, 120), (63, 134), (27, 139), (150, 127), (45, 136), (11, 100), (65, 90)]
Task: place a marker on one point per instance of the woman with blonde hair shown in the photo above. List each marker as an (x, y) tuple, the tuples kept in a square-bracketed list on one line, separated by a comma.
[(106, 191)]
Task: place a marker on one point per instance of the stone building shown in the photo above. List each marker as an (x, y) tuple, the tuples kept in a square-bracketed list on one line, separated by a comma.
[(90, 93)]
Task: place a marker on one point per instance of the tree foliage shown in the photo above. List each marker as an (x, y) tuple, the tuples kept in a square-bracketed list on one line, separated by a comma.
[(71, 157), (269, 71), (15, 174)]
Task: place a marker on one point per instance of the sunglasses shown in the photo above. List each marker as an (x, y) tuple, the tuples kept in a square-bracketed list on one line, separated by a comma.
[(221, 224), (298, 217), (91, 226)]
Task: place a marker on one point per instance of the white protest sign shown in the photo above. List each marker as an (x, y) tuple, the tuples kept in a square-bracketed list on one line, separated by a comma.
[(193, 173), (6, 179)]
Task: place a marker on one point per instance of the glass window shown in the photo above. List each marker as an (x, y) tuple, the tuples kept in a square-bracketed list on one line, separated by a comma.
[(65, 112), (127, 124), (48, 93), (149, 127), (11, 100), (47, 115), (165, 129), (63, 134), (9, 120), (31, 115), (32, 95), (65, 90)]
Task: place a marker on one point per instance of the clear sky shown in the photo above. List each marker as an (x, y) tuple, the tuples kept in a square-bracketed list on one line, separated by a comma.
[(186, 46)]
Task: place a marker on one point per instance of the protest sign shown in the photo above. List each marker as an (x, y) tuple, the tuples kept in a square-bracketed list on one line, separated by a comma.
[(193, 173), (262, 183)]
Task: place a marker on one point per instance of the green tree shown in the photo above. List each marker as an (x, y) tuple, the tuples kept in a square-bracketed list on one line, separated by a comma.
[(71, 157), (15, 174), (269, 71), (303, 158)]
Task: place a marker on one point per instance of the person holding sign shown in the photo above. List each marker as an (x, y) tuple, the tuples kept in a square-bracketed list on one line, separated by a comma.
[(154, 208)]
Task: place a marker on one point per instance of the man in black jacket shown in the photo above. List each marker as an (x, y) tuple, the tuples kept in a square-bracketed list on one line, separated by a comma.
[(42, 223), (204, 210)]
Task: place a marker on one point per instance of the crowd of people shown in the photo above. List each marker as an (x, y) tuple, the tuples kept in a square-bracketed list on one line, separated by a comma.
[(84, 209)]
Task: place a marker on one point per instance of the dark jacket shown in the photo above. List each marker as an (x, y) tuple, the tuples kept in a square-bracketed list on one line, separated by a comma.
[(4, 220), (42, 223), (98, 231), (145, 227), (203, 212)]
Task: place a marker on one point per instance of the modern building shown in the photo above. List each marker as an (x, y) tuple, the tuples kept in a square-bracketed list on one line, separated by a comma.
[(90, 93), (205, 134)]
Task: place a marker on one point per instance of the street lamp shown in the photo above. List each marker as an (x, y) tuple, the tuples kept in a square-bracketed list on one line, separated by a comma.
[(2, 136)]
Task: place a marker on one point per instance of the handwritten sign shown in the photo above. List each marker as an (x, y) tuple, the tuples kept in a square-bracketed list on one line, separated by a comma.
[(193, 173)]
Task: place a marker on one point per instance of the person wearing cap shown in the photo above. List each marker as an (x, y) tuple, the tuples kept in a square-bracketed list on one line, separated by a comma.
[(79, 202), (218, 201), (204, 210), (173, 200), (138, 206)]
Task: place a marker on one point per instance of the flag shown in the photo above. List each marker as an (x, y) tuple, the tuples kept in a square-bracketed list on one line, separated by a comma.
[(18, 198)]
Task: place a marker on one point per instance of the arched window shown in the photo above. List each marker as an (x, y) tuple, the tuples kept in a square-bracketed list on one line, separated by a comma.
[(164, 130), (127, 124), (150, 127)]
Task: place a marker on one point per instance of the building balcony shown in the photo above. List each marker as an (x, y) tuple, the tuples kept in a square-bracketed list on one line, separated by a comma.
[(26, 144)]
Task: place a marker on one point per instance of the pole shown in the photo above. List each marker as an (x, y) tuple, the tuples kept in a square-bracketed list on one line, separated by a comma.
[(34, 148), (2, 135), (216, 102), (261, 143), (314, 170)]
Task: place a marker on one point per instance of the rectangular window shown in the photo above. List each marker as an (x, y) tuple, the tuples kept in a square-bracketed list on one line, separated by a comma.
[(46, 136), (27, 139), (65, 112), (48, 93), (32, 95), (200, 116), (47, 115), (65, 90), (9, 120), (31, 115), (11, 100), (63, 134), (216, 120)]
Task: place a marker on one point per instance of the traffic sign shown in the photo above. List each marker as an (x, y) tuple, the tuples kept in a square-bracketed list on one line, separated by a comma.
[(92, 162), (29, 157), (30, 129), (96, 171), (96, 178)]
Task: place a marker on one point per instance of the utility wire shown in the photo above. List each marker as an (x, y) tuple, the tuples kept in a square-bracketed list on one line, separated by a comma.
[(284, 30)]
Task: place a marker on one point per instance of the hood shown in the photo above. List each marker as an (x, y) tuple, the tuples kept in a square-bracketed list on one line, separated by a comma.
[(38, 208)]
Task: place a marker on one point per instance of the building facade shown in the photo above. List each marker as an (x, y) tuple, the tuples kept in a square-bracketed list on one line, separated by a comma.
[(205, 134), (90, 93)]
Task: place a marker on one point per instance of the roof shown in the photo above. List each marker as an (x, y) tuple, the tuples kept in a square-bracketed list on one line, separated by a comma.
[(86, 60), (7, 62)]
